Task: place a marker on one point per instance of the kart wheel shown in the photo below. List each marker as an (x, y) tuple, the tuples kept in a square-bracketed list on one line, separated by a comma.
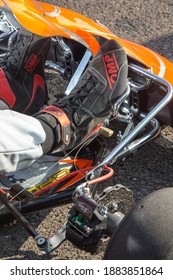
[(146, 232)]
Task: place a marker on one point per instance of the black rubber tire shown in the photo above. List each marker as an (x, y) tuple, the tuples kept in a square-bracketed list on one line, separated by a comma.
[(146, 232)]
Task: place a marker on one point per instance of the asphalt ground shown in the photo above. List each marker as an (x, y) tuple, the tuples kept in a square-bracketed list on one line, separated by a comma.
[(147, 22)]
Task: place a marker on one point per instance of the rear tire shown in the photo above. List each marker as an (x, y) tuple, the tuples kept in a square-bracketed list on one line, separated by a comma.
[(146, 232)]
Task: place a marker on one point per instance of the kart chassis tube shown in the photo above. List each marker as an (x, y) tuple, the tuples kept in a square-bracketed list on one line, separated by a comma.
[(112, 157), (37, 204)]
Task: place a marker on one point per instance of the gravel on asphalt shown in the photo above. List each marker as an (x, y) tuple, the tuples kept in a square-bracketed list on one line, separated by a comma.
[(147, 22)]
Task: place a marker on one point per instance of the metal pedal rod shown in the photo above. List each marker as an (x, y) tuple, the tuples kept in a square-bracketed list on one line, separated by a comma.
[(44, 244), (22, 220)]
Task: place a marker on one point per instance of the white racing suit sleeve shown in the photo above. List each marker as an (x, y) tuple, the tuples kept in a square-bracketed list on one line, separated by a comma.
[(21, 137)]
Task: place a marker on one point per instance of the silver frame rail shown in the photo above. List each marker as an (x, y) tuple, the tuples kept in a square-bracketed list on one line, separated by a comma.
[(112, 157)]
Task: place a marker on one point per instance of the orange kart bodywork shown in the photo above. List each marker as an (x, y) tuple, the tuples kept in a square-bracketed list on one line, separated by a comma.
[(48, 20), (145, 105)]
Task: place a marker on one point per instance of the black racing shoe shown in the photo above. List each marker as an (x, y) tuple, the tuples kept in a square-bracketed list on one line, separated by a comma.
[(102, 83), (22, 73), (92, 100)]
